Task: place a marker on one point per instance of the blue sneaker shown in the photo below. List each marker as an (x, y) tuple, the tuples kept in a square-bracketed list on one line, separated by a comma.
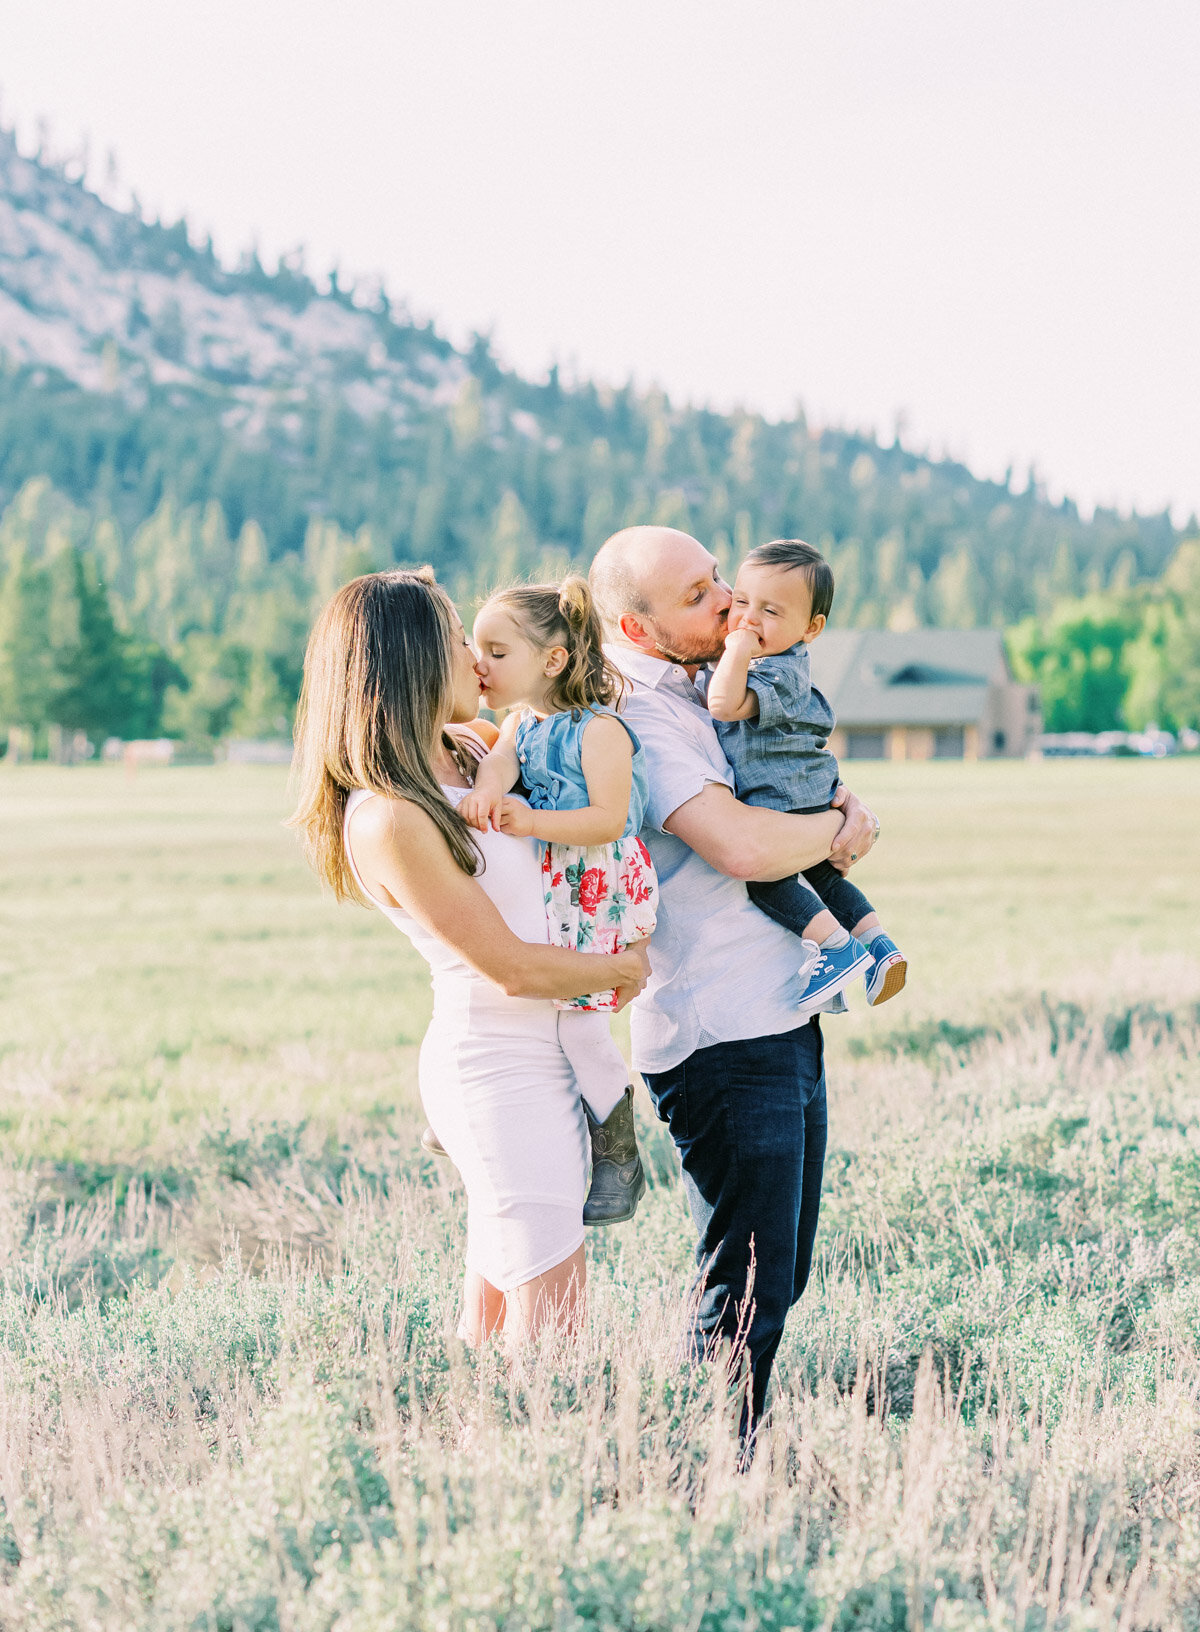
[(834, 970), (888, 971)]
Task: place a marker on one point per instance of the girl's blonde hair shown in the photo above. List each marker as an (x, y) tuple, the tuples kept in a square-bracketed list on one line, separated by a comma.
[(565, 615), (378, 683)]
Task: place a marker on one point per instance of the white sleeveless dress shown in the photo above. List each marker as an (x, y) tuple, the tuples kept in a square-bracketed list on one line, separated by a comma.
[(496, 1086)]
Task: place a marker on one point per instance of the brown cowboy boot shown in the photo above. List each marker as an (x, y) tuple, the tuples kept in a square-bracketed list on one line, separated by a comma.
[(618, 1178)]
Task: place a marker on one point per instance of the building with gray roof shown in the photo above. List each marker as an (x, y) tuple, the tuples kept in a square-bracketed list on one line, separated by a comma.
[(924, 694)]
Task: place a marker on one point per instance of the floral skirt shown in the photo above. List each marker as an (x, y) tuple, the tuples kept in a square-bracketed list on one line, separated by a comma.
[(598, 899)]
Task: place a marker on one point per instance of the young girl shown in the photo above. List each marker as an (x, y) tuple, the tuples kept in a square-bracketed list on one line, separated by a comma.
[(540, 657)]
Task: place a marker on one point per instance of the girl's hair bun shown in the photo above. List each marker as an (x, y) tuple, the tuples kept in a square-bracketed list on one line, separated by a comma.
[(575, 601), (565, 615)]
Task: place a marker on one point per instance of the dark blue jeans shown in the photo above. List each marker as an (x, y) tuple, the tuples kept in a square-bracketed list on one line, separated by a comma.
[(750, 1123)]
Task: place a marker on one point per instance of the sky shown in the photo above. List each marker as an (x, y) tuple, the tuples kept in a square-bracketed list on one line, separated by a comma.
[(974, 223)]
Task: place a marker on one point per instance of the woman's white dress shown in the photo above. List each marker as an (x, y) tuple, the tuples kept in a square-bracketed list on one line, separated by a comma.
[(496, 1086)]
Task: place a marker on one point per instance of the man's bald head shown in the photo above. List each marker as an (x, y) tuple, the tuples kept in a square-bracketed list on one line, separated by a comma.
[(660, 590), (631, 565)]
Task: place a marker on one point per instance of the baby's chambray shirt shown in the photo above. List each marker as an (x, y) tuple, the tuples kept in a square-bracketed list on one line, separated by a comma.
[(779, 758)]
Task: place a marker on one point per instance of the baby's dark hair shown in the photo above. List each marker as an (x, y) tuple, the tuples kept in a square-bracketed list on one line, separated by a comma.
[(795, 553), (565, 615)]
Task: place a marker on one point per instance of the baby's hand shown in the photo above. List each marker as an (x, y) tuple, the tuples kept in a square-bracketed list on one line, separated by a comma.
[(516, 818), (481, 809), (743, 640)]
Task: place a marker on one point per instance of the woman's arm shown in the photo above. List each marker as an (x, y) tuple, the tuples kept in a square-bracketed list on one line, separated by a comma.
[(607, 755), (403, 859)]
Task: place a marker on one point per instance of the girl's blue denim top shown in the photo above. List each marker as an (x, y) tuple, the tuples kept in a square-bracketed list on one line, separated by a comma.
[(550, 754)]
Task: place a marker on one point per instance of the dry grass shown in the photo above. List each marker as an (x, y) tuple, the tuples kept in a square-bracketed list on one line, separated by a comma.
[(230, 1393)]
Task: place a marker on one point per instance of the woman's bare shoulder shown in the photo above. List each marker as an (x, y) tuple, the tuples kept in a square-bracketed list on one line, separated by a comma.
[(486, 730), (383, 817)]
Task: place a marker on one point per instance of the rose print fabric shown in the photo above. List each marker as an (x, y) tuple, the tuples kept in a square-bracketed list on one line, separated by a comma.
[(598, 899)]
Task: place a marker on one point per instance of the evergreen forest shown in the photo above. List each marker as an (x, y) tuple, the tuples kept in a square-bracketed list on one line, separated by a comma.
[(166, 538)]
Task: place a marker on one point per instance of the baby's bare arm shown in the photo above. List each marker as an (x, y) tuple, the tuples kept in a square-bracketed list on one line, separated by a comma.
[(729, 697)]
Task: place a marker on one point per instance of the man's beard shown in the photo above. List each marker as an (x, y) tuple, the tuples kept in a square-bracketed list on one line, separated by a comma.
[(698, 654)]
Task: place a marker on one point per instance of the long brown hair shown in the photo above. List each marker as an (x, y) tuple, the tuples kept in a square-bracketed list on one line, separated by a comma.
[(565, 615), (376, 694)]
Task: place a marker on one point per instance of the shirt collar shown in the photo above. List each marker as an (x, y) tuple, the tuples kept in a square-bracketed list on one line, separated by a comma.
[(645, 670)]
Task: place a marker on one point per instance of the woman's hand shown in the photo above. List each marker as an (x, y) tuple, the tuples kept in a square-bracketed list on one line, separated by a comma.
[(633, 975)]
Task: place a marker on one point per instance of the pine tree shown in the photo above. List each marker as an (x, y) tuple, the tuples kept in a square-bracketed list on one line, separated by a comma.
[(27, 673), (95, 682)]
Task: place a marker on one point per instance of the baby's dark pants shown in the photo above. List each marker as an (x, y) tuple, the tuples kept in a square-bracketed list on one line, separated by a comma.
[(795, 902)]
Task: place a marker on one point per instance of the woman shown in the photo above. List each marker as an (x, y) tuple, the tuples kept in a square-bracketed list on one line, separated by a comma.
[(384, 754)]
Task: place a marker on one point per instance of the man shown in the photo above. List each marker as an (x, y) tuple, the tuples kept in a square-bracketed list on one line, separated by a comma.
[(734, 1066)]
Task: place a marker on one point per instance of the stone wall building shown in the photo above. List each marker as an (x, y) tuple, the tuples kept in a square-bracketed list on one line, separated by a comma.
[(924, 694)]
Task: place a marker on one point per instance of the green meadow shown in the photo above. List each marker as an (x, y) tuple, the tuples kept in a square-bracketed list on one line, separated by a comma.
[(230, 1391)]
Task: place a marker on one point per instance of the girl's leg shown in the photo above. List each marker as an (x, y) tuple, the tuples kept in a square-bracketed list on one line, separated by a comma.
[(483, 1310), (555, 1298), (867, 928), (602, 1076), (595, 1059)]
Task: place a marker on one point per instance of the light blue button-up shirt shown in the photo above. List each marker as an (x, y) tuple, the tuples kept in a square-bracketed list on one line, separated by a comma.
[(722, 970)]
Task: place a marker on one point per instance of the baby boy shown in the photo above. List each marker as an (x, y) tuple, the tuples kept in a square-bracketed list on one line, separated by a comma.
[(773, 724)]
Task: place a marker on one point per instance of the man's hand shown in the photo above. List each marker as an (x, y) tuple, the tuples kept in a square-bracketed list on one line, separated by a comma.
[(516, 818), (858, 831)]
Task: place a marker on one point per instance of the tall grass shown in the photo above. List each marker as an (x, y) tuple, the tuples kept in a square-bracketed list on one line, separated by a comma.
[(231, 1395), (986, 1408)]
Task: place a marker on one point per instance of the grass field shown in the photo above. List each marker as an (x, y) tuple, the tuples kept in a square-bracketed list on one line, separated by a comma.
[(230, 1394)]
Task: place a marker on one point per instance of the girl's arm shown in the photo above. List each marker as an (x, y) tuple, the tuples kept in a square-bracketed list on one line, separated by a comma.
[(729, 697), (607, 756), (403, 859), (497, 773)]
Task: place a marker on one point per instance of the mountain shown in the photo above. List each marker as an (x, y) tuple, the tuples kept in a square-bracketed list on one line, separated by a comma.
[(111, 302), (214, 443)]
